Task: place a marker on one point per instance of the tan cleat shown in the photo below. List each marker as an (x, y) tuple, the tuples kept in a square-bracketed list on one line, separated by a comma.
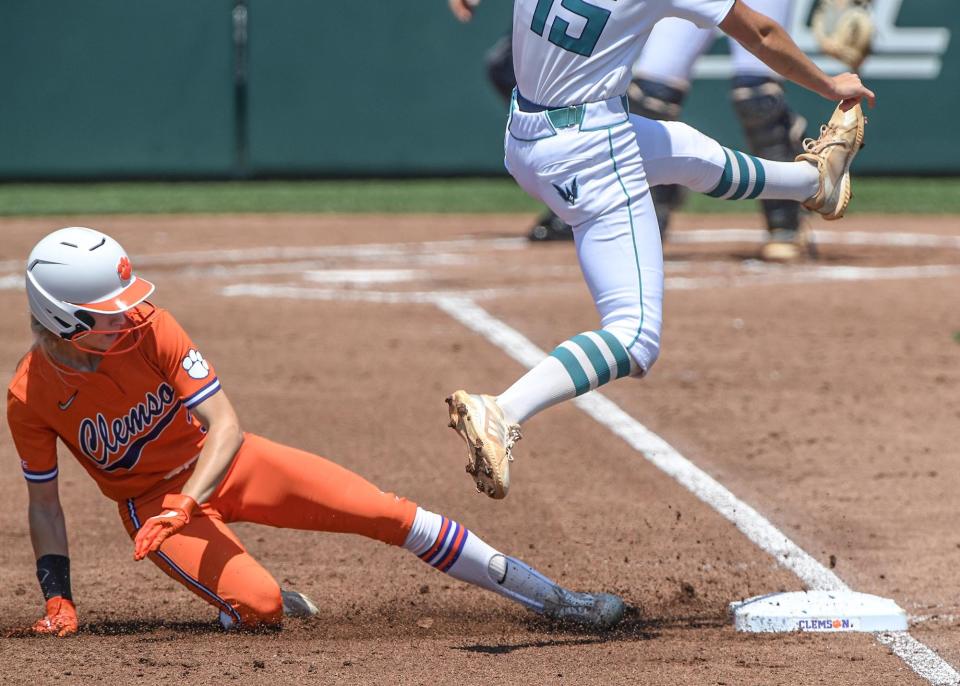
[(480, 422), (786, 246), (840, 140)]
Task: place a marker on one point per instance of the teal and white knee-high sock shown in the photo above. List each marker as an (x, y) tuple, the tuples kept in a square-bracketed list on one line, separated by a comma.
[(580, 364), (457, 551), (745, 177)]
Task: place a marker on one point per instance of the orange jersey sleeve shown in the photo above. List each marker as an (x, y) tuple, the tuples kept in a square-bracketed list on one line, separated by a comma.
[(190, 374), (36, 442)]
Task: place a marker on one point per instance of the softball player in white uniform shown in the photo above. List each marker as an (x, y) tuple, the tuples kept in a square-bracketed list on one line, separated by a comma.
[(571, 143)]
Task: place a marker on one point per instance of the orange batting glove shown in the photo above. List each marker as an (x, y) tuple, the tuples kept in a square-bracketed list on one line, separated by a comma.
[(60, 620), (176, 515)]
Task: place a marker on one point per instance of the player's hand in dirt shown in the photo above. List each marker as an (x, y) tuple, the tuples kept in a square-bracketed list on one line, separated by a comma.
[(176, 515), (850, 90), (60, 620), (463, 9)]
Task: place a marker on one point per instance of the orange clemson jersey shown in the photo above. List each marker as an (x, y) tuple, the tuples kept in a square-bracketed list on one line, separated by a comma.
[(128, 423)]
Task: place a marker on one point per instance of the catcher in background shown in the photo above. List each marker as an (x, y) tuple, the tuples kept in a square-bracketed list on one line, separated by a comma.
[(662, 79), (129, 394)]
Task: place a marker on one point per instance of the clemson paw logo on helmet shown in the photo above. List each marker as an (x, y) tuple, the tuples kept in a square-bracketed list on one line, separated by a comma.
[(124, 268), (195, 365)]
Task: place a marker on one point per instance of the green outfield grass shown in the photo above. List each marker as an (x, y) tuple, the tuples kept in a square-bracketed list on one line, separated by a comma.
[(888, 195)]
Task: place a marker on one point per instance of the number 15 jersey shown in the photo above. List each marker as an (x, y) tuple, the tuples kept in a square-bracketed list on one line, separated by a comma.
[(567, 52)]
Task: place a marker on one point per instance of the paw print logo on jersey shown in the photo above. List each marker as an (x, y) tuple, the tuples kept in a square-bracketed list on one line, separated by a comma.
[(195, 365)]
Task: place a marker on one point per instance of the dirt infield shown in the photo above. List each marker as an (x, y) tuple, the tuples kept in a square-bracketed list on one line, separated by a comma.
[(822, 394)]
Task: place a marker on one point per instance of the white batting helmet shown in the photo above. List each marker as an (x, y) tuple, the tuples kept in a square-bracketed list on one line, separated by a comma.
[(75, 271)]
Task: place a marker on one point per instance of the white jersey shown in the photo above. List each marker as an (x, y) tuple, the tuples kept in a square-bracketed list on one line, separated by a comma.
[(567, 52)]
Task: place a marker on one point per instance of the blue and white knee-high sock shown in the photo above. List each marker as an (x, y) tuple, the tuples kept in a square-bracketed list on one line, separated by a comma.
[(457, 551), (580, 364), (745, 177)]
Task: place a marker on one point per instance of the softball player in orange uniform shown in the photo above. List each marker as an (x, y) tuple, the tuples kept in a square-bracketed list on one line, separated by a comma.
[(120, 383)]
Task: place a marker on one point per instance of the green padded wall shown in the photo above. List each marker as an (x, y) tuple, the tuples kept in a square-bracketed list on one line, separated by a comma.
[(107, 88), (372, 87), (386, 88), (119, 88)]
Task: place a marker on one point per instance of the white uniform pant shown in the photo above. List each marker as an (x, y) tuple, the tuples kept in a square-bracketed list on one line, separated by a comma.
[(596, 177), (675, 44)]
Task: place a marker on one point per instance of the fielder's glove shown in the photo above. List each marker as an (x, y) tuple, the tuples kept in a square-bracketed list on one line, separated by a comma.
[(844, 29), (176, 515)]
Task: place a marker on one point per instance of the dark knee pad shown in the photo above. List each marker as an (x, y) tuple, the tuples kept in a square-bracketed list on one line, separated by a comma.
[(773, 131), (499, 61), (655, 100)]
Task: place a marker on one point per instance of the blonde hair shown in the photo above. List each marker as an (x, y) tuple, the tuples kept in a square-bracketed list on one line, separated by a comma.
[(51, 345), (42, 336)]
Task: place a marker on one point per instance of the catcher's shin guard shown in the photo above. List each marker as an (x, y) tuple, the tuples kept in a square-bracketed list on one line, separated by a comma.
[(773, 131), (655, 100)]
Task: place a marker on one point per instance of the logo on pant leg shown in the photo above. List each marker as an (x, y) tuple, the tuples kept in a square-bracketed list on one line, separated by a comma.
[(568, 193)]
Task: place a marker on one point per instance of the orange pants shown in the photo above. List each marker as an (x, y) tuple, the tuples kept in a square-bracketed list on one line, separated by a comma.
[(271, 484)]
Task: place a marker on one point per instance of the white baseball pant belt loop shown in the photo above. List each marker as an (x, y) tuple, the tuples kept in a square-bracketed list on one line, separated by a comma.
[(588, 116)]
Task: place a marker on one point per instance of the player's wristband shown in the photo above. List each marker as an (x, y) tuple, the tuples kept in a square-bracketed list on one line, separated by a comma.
[(53, 573)]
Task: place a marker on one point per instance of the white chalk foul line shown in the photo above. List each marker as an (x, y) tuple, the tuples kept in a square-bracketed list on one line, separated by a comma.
[(862, 238), (763, 275), (370, 296), (921, 659), (356, 251)]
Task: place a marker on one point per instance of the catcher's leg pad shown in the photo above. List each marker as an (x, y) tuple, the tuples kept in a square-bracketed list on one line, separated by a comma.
[(773, 131), (655, 100)]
